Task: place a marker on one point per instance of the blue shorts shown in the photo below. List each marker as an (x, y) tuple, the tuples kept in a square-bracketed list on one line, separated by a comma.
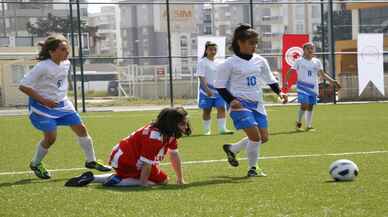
[(47, 124), (205, 102), (307, 99), (246, 119)]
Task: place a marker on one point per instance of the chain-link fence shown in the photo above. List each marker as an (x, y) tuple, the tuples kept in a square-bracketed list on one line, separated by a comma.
[(133, 53)]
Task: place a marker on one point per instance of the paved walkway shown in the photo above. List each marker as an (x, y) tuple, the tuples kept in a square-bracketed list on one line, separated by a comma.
[(10, 111), (23, 111)]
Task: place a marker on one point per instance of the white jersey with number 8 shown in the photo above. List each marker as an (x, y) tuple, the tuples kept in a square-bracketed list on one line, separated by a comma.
[(308, 74)]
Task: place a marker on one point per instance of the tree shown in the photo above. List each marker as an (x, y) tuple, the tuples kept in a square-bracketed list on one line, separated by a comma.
[(52, 23), (342, 28)]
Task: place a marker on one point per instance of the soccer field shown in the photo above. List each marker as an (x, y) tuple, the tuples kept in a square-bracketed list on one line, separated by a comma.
[(298, 183)]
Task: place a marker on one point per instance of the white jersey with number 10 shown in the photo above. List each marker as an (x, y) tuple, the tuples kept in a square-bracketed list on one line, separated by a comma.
[(244, 79)]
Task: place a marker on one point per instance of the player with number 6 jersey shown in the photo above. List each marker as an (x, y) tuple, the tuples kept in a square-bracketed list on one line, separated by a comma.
[(46, 86)]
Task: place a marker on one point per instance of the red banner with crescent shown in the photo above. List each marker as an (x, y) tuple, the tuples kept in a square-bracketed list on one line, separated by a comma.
[(292, 51)]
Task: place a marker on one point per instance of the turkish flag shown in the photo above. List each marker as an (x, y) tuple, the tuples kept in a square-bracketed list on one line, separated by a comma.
[(292, 51)]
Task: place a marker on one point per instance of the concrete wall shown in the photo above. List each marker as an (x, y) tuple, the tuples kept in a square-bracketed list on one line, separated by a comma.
[(11, 72)]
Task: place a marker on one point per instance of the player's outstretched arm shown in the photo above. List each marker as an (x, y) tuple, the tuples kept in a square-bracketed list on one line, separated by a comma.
[(176, 165), (276, 89), (285, 82), (283, 97), (329, 79)]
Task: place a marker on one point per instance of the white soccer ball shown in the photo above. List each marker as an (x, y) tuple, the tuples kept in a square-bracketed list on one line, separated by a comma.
[(343, 170)]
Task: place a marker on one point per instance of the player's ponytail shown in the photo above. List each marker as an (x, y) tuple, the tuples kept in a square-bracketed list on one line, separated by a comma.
[(242, 33)]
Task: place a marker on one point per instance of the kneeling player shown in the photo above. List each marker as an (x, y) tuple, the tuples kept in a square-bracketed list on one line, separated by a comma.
[(136, 158)]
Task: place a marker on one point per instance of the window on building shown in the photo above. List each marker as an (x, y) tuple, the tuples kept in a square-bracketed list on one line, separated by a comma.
[(316, 11), (374, 20), (299, 28), (265, 28), (208, 30), (299, 12), (266, 11)]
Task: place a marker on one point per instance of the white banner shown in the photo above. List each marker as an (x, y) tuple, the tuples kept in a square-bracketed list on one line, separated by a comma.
[(370, 61), (220, 41)]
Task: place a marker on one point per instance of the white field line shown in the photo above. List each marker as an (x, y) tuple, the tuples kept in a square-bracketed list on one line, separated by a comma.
[(224, 160)]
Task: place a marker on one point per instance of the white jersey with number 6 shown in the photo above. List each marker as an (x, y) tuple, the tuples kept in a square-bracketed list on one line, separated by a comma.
[(308, 74), (244, 79)]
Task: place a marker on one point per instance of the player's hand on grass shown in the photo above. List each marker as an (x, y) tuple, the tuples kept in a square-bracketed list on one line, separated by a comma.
[(180, 182)]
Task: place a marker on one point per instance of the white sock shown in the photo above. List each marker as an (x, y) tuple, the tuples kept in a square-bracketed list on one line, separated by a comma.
[(309, 118), (87, 145), (300, 116), (206, 125), (221, 124), (102, 178), (39, 154), (131, 182), (237, 147), (253, 153)]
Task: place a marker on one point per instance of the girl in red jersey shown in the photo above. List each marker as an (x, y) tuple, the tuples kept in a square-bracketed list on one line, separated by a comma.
[(136, 158)]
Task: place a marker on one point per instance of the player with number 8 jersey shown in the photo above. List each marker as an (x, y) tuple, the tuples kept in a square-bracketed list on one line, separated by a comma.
[(308, 69)]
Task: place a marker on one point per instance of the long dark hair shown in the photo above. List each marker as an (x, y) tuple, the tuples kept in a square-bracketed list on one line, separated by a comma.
[(242, 33), (50, 44), (168, 120), (208, 44)]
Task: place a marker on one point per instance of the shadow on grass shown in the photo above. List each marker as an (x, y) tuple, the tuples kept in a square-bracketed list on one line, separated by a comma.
[(271, 134), (286, 132), (337, 182), (216, 181), (29, 182), (201, 135)]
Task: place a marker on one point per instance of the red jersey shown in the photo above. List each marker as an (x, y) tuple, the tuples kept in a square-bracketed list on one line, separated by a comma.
[(144, 145)]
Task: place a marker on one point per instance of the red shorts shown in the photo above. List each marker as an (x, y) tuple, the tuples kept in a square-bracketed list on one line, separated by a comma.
[(125, 167)]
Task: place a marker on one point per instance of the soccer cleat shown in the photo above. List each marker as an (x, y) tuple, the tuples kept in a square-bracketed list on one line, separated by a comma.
[(226, 132), (253, 172), (207, 133), (40, 171), (230, 155), (97, 166), (298, 127), (310, 129), (81, 180), (112, 181)]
